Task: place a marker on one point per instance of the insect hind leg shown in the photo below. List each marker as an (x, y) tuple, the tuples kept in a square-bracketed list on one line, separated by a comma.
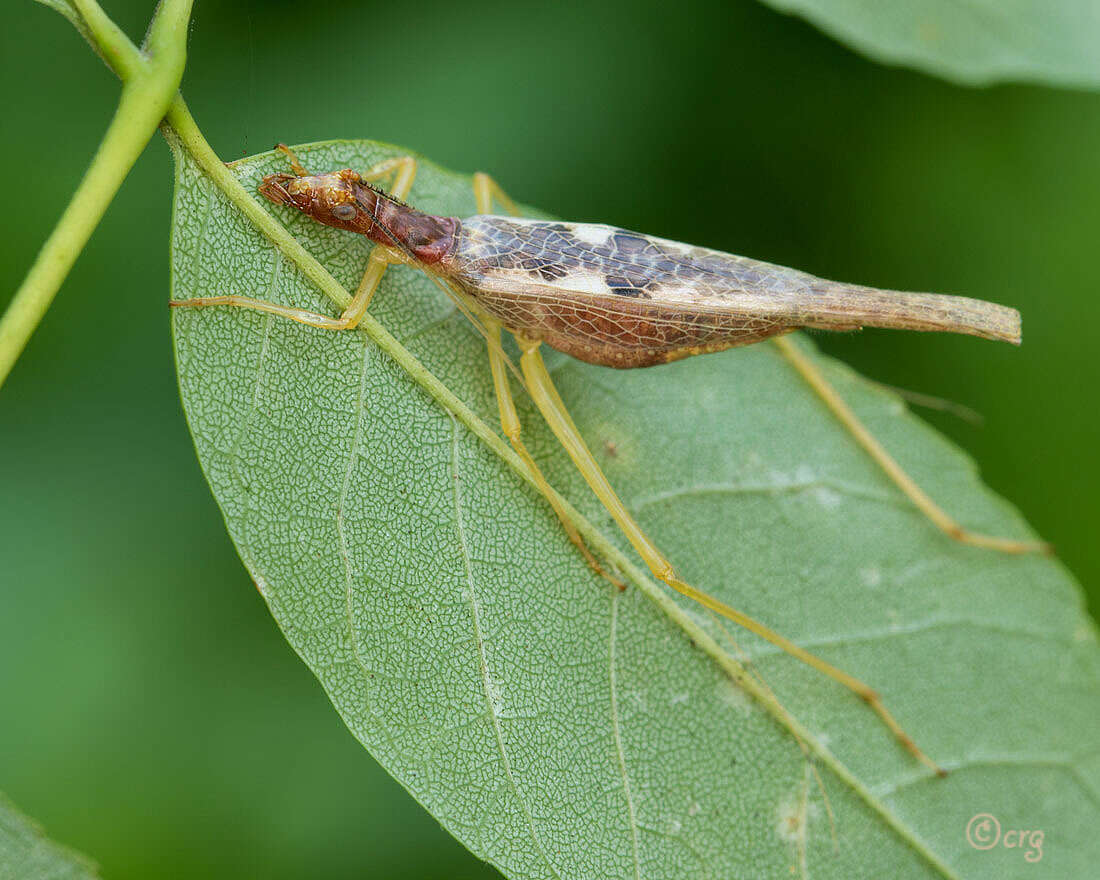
[(510, 425), (546, 397), (945, 523), (486, 189)]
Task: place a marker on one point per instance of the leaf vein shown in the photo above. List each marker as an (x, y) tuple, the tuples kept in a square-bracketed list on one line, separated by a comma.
[(1063, 763), (483, 662), (776, 488), (345, 555), (917, 628), (616, 732)]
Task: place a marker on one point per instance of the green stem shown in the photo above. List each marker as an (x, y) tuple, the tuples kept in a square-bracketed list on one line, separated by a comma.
[(150, 81)]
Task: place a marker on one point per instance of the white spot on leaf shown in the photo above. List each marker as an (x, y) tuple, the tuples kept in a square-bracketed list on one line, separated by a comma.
[(871, 576), (730, 694), (496, 700), (804, 474), (794, 817), (827, 498)]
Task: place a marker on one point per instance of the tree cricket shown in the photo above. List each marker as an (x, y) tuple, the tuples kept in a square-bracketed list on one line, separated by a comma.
[(619, 299)]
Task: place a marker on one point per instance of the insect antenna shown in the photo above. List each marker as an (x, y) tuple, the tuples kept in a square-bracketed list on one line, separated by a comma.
[(491, 340), (389, 196), (942, 404)]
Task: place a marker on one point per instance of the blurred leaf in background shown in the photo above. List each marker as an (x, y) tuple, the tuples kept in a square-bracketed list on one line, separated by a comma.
[(977, 42), (162, 706), (26, 852)]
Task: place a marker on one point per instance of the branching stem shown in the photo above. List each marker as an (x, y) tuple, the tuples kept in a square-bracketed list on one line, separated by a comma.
[(151, 78)]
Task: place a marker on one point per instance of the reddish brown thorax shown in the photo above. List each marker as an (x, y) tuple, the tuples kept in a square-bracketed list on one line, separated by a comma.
[(428, 237), (341, 199)]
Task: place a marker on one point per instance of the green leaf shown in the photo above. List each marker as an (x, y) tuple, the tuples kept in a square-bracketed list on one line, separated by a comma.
[(27, 854), (976, 42), (558, 727)]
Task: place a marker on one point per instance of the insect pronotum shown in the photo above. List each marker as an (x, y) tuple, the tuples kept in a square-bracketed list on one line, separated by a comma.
[(620, 299)]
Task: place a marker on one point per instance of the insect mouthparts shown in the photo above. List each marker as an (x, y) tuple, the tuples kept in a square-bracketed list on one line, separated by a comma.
[(273, 189)]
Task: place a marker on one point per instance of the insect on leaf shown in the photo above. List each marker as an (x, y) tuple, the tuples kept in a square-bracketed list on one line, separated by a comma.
[(557, 726)]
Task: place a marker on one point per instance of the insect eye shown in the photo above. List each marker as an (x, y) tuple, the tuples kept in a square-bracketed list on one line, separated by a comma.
[(343, 212)]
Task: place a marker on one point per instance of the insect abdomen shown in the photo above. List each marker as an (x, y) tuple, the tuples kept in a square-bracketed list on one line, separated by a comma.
[(834, 306)]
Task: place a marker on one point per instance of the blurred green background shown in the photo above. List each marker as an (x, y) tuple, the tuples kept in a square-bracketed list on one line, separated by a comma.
[(152, 714)]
